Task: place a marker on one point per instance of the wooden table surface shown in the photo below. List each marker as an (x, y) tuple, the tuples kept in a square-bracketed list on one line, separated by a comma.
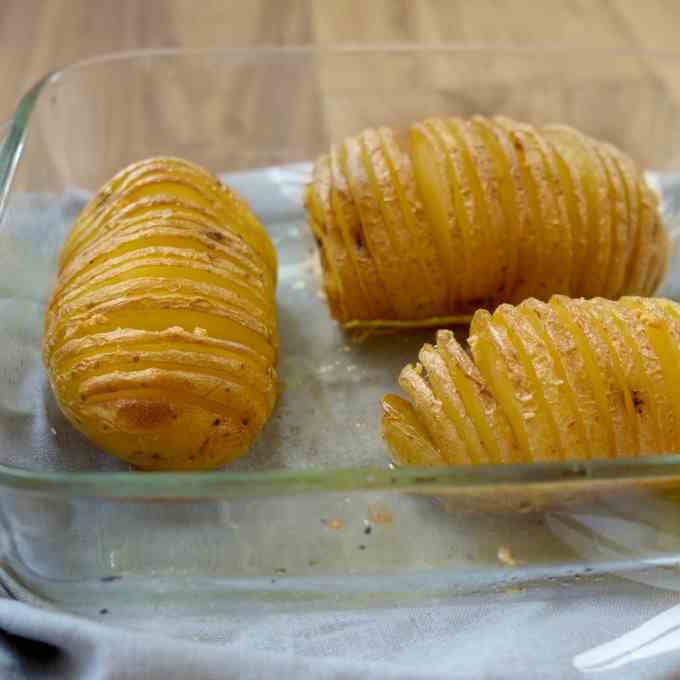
[(39, 35)]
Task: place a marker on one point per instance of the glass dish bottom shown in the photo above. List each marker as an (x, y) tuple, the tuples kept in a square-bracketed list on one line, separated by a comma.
[(191, 568), (296, 533)]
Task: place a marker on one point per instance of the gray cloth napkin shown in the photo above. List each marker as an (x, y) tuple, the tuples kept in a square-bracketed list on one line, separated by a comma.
[(39, 644), (630, 631)]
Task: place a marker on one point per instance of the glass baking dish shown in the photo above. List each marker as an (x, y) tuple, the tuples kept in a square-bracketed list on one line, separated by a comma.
[(314, 516)]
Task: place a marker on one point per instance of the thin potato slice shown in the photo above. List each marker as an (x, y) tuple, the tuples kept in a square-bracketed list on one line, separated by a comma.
[(401, 249), (350, 240), (187, 183), (659, 261), (472, 278), (577, 376), (167, 263), (167, 236), (505, 180), (421, 238), (542, 421), (572, 189), (597, 359), (432, 181), (593, 375), (539, 367), (446, 392), (549, 210), (629, 180), (486, 215), (492, 427), (503, 392), (557, 212), (617, 209), (671, 316), (559, 393), (406, 436), (430, 410), (362, 244), (133, 339), (639, 435), (644, 254), (532, 259), (578, 152), (664, 340), (341, 285), (647, 372), (504, 373)]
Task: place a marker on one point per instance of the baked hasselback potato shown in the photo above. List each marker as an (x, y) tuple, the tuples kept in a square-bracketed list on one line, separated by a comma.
[(160, 335), (457, 215), (570, 378)]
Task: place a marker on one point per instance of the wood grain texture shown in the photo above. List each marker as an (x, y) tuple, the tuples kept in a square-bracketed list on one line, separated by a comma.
[(37, 36)]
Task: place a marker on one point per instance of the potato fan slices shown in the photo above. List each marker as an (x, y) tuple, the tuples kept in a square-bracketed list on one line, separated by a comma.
[(467, 214), (160, 337), (566, 379)]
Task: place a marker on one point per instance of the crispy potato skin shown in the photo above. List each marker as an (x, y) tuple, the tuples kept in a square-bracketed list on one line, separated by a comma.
[(160, 336), (426, 228), (566, 379)]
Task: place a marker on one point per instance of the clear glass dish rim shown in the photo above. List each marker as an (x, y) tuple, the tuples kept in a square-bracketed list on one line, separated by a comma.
[(186, 485)]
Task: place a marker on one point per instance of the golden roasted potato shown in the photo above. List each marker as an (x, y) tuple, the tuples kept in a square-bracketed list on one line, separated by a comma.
[(160, 336), (566, 379), (465, 214)]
